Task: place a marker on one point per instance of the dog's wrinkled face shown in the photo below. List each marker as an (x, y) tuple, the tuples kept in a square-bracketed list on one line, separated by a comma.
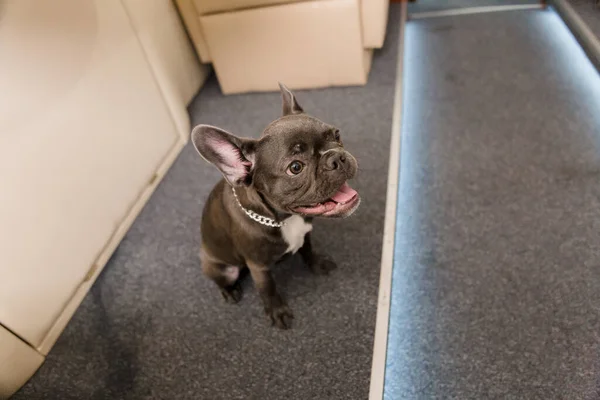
[(299, 164), (302, 167)]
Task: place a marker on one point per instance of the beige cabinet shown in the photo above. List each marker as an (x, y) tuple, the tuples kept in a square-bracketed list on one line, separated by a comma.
[(253, 44), (91, 117)]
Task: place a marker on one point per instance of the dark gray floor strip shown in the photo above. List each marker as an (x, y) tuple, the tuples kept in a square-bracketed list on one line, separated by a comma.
[(497, 263), (424, 6), (585, 35), (473, 10), (589, 11)]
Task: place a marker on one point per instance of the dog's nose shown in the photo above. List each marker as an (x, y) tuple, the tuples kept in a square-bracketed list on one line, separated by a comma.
[(335, 160)]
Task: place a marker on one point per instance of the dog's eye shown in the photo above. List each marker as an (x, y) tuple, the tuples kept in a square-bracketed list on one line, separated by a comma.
[(295, 168), (336, 135)]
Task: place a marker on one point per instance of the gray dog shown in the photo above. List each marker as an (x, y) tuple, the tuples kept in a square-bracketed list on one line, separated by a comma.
[(273, 188)]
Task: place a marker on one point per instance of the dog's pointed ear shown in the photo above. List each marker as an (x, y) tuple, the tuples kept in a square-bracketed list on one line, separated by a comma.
[(290, 104), (232, 155)]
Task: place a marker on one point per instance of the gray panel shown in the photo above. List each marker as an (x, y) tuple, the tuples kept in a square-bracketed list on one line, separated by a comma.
[(438, 5), (496, 285)]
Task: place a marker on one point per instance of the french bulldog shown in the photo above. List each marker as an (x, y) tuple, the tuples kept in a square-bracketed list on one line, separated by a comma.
[(264, 207)]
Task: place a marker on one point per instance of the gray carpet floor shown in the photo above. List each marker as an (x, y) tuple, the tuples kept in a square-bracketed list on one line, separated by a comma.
[(153, 327), (496, 285)]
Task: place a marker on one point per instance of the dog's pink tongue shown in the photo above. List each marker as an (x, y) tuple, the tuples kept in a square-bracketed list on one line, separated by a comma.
[(344, 194)]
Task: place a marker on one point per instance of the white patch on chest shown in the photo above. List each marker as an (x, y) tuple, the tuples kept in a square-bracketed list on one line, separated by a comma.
[(293, 232)]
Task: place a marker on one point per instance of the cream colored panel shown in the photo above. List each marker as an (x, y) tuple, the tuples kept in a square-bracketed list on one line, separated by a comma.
[(374, 16), (66, 314), (204, 7), (304, 45), (82, 131), (18, 362), (189, 14), (170, 55)]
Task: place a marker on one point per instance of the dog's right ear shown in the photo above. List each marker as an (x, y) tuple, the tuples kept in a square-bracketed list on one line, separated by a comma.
[(232, 155), (289, 103)]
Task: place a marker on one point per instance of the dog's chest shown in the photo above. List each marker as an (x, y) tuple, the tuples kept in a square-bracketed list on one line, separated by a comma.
[(293, 232)]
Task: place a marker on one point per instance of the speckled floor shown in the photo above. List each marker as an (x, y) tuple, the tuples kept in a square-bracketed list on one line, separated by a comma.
[(153, 327), (496, 283), (497, 262)]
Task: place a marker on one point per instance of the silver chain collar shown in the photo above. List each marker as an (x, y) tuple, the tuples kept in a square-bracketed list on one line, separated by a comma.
[(258, 218)]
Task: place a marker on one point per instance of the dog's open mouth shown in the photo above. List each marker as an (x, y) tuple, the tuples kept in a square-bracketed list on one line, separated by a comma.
[(343, 203)]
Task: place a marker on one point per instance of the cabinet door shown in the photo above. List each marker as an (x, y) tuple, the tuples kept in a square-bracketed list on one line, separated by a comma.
[(83, 129), (18, 362)]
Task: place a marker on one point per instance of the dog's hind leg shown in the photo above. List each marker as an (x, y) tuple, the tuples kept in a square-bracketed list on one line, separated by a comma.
[(226, 278)]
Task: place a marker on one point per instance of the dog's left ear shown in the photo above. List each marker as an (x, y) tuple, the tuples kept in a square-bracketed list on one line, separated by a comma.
[(232, 155), (290, 104)]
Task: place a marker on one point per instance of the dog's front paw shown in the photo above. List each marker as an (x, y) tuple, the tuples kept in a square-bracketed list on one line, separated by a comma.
[(323, 265), (281, 316), (232, 294)]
